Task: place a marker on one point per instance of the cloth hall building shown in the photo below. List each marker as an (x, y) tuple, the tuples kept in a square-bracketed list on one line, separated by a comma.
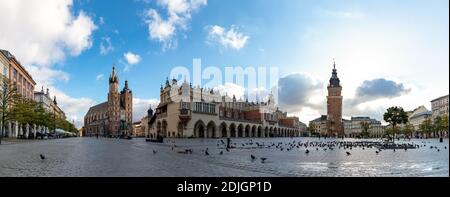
[(187, 111)]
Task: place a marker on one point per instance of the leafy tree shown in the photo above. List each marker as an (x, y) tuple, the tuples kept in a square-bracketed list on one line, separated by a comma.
[(426, 127), (441, 124), (408, 129), (24, 111), (312, 128), (395, 115), (8, 96)]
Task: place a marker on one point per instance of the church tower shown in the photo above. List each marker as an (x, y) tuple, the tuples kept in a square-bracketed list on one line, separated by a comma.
[(334, 105), (126, 107), (113, 103)]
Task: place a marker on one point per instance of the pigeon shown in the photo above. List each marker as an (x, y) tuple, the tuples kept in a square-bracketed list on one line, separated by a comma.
[(263, 159), (253, 157), (348, 153), (154, 151), (42, 156), (377, 152), (307, 151), (221, 153)]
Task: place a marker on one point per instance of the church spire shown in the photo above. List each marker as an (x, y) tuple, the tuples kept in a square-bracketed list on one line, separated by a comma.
[(334, 64), (113, 77)]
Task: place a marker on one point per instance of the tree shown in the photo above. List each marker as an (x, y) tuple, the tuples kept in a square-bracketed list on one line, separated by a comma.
[(365, 126), (441, 124), (444, 123), (24, 111), (8, 96), (395, 115), (408, 129), (312, 128), (426, 127)]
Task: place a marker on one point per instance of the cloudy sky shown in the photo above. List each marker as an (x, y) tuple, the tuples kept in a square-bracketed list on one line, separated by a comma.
[(387, 52)]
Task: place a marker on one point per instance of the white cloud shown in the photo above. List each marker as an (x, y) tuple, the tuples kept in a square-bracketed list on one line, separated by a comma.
[(179, 14), (140, 107), (99, 77), (106, 46), (132, 58), (74, 108), (43, 33), (231, 38), (101, 21), (231, 89), (46, 76)]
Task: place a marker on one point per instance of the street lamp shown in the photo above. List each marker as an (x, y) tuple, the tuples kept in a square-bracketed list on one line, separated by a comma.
[(54, 115)]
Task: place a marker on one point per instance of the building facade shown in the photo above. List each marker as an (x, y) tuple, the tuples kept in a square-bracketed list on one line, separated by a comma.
[(187, 111), (138, 130), (18, 75), (417, 116), (11, 68), (49, 104), (320, 125), (439, 107), (334, 106), (4, 65), (112, 118), (354, 128)]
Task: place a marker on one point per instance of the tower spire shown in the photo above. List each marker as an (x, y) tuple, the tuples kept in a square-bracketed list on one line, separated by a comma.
[(334, 80), (334, 64), (113, 77)]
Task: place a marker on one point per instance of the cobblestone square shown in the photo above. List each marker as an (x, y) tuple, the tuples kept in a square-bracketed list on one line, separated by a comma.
[(106, 157)]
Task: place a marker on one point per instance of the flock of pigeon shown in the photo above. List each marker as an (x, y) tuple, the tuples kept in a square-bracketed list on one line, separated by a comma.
[(317, 145)]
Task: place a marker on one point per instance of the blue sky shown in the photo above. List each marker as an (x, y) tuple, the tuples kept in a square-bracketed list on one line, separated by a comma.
[(403, 44)]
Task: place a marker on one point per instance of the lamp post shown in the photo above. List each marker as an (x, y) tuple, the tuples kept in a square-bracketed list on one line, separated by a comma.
[(54, 115)]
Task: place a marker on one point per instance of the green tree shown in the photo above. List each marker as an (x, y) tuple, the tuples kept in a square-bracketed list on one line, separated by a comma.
[(312, 128), (8, 96), (24, 112), (444, 123), (408, 130), (441, 124), (426, 127), (395, 115)]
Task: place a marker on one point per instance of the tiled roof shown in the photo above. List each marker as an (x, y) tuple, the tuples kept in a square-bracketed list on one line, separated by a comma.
[(98, 108)]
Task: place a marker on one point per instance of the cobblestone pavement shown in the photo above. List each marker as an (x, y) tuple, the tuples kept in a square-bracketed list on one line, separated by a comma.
[(118, 157)]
